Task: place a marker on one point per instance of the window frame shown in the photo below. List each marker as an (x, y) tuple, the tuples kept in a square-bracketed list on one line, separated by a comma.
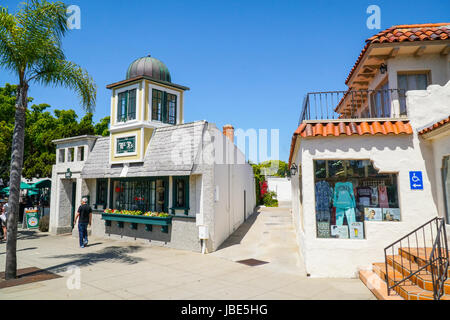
[(163, 116), (175, 206), (149, 190), (120, 119), (97, 192), (402, 95)]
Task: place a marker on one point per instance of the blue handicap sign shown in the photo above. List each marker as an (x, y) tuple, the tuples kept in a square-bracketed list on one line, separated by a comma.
[(416, 180)]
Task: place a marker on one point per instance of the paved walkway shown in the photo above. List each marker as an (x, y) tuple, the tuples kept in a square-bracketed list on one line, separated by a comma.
[(110, 269)]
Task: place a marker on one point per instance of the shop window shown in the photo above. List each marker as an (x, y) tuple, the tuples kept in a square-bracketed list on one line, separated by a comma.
[(102, 192), (446, 185), (349, 193), (126, 108), (181, 193), (149, 194), (164, 107)]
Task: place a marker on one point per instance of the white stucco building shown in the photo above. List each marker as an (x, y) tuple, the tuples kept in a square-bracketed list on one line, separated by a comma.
[(152, 163), (373, 161)]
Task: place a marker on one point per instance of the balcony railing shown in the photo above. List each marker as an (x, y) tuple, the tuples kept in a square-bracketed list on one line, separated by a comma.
[(358, 104)]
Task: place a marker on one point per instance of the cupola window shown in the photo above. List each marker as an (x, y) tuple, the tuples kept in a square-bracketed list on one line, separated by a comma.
[(164, 107), (126, 109)]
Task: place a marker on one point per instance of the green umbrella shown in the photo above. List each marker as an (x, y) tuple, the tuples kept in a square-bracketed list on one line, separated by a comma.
[(23, 186)]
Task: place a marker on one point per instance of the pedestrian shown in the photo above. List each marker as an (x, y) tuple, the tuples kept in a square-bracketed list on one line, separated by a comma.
[(85, 218), (4, 219)]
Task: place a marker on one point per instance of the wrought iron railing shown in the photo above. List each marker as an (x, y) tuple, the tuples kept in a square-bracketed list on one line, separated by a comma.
[(385, 103), (429, 244)]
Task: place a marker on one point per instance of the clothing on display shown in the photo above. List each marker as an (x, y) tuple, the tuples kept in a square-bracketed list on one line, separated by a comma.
[(374, 196), (383, 197), (324, 196), (344, 197)]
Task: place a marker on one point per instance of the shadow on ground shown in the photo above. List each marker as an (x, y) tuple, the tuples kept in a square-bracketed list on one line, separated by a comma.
[(240, 232), (112, 254), (24, 249), (30, 235)]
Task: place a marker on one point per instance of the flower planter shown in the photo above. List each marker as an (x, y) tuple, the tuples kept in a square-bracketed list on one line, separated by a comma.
[(134, 220)]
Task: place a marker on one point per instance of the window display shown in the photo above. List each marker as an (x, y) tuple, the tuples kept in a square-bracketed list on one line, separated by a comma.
[(350, 192)]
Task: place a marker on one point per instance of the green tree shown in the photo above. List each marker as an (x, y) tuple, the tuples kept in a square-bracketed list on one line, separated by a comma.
[(102, 128), (30, 47)]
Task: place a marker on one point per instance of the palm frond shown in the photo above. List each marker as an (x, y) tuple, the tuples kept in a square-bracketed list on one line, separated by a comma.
[(70, 75)]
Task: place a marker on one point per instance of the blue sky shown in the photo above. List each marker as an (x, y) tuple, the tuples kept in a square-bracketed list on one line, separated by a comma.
[(248, 63)]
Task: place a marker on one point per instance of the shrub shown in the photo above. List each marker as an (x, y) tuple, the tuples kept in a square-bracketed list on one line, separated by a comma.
[(44, 223), (269, 199)]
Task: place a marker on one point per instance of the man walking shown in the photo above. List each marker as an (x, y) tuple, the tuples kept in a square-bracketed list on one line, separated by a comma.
[(85, 215)]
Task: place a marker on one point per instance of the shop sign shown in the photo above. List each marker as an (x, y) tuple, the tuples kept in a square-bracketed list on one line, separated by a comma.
[(126, 145), (32, 218), (416, 180)]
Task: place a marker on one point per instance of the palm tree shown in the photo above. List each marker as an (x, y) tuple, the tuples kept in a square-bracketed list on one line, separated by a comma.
[(30, 47)]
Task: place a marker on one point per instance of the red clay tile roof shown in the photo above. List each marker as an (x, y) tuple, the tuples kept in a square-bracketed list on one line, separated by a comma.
[(435, 126), (349, 128), (402, 33)]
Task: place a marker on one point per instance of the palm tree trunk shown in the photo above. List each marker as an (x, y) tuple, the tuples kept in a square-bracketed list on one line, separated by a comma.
[(14, 181)]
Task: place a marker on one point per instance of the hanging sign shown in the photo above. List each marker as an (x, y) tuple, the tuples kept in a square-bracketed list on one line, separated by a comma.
[(126, 145)]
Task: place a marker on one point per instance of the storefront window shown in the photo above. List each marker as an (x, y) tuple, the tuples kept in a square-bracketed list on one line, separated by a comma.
[(102, 195), (181, 192), (350, 192), (149, 194)]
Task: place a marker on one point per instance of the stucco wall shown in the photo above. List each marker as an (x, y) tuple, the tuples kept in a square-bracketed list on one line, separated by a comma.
[(390, 154), (441, 148), (232, 176), (282, 186)]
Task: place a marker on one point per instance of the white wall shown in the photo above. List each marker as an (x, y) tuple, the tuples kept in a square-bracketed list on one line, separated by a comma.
[(232, 176), (282, 187)]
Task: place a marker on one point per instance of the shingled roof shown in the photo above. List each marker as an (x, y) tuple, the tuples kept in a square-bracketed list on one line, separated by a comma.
[(172, 151)]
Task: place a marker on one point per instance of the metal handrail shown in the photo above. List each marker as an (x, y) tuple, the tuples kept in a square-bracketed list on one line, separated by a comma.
[(351, 104), (439, 244)]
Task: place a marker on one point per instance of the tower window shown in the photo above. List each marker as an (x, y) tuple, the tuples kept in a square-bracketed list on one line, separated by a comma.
[(164, 107), (126, 109)]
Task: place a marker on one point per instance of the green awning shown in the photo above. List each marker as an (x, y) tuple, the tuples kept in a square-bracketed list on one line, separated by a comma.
[(42, 184)]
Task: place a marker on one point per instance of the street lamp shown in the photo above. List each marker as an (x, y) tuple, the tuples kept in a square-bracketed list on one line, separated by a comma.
[(383, 68), (294, 169), (68, 174)]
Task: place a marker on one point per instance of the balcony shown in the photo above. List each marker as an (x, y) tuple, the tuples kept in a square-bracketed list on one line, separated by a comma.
[(358, 104)]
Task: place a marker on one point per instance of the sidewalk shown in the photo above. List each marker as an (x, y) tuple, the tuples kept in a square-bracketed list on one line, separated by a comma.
[(120, 270)]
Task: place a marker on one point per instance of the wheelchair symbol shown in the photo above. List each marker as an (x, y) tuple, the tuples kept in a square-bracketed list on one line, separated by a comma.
[(414, 178)]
